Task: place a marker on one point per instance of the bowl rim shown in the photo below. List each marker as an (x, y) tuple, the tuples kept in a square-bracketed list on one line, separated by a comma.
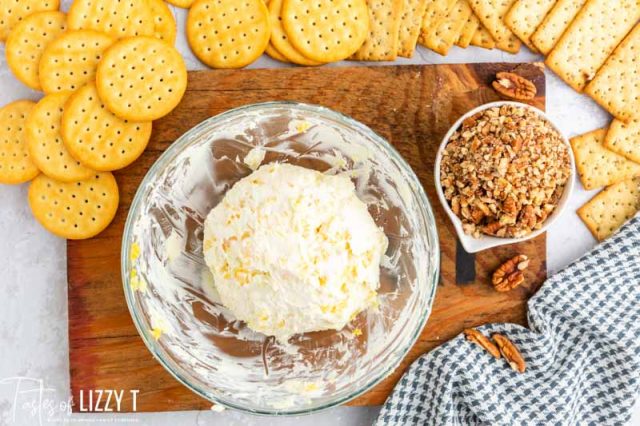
[(484, 242), (426, 211)]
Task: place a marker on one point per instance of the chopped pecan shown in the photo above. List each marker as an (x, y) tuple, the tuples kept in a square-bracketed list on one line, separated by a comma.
[(480, 339), (514, 86), (476, 215), (492, 228), (516, 144), (475, 144), (455, 204), (510, 275), (510, 207), (510, 353), (509, 163), (469, 122), (528, 217), (482, 207)]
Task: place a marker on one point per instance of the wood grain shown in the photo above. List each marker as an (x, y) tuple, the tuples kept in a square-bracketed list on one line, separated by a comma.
[(411, 106)]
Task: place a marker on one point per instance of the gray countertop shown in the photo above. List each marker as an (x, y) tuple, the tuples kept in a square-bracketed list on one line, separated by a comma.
[(34, 365)]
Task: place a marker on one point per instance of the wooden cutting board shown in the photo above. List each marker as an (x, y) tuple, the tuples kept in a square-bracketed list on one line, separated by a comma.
[(411, 106)]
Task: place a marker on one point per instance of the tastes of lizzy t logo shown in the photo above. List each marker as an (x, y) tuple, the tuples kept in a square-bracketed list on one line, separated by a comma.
[(106, 400), (30, 401)]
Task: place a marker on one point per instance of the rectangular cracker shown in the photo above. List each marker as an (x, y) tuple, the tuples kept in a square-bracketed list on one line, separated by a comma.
[(482, 38), (598, 28), (525, 16), (624, 139), (598, 166), (616, 85), (382, 42), (436, 10), (410, 24), (605, 213), (491, 13), (444, 34), (468, 30), (555, 24)]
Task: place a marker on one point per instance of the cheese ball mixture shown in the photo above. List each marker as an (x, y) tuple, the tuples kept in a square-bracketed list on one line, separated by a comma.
[(293, 251)]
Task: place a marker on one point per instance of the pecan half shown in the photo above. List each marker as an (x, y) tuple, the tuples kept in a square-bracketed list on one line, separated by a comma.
[(515, 87), (510, 353), (510, 275), (480, 339)]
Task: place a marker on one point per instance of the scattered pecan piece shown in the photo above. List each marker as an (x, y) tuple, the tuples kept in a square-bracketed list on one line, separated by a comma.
[(510, 353), (515, 87), (480, 339), (510, 275)]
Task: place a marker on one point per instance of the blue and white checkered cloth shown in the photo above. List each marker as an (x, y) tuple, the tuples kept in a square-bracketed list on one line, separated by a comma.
[(582, 350)]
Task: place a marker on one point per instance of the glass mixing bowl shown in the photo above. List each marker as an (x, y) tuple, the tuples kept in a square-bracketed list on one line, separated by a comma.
[(170, 291)]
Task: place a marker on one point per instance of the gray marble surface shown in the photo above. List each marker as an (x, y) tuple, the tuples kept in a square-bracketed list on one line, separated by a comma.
[(34, 374)]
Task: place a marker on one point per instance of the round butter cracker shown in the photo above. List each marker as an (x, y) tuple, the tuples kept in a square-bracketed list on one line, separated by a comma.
[(118, 18), (44, 141), (273, 53), (326, 30), (228, 33), (70, 61), (279, 38), (14, 11), (74, 210), (164, 23), (185, 4), (98, 138), (15, 162), (141, 78), (28, 40)]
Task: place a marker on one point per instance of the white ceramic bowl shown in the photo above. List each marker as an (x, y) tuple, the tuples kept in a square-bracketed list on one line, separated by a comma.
[(474, 245)]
